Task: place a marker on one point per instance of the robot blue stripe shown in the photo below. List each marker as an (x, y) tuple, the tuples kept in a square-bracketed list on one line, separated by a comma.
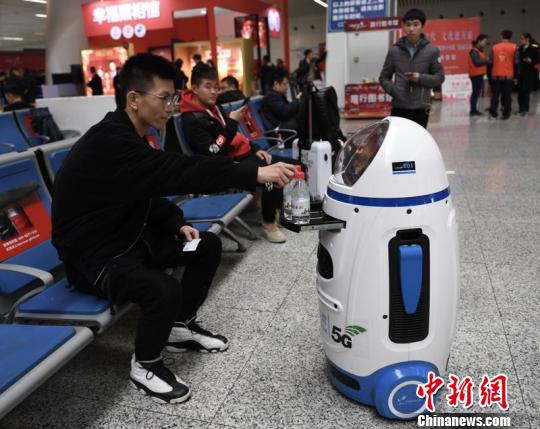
[(404, 172), (389, 202)]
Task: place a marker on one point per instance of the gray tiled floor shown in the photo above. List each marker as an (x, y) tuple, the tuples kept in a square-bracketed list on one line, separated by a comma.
[(273, 376)]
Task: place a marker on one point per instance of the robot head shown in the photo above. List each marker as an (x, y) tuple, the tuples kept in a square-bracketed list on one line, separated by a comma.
[(358, 152)]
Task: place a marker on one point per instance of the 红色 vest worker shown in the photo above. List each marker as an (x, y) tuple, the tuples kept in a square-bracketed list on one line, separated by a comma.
[(503, 60), (475, 70)]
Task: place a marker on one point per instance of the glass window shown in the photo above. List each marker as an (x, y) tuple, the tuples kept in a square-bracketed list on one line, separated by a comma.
[(358, 152)]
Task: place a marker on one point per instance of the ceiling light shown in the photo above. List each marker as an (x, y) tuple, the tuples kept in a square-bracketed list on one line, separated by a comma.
[(321, 3), (36, 1), (11, 38), (41, 15)]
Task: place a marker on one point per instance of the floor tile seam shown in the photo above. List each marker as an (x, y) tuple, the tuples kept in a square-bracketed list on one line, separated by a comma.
[(117, 403), (241, 371), (505, 334), (295, 281)]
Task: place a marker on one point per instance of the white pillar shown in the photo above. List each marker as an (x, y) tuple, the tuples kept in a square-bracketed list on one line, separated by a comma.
[(65, 36), (369, 47)]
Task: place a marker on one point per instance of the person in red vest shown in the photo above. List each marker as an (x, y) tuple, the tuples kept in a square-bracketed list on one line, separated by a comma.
[(504, 57), (477, 69)]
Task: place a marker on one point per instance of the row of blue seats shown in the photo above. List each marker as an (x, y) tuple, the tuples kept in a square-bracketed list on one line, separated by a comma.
[(17, 133), (34, 294)]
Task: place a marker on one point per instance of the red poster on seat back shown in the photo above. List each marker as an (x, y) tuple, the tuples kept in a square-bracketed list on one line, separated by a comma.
[(251, 125), (24, 221)]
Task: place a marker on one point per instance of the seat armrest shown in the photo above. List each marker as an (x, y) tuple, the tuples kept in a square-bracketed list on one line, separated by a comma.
[(69, 134), (42, 275)]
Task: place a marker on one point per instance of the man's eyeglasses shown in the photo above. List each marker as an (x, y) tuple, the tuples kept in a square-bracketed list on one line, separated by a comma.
[(168, 100)]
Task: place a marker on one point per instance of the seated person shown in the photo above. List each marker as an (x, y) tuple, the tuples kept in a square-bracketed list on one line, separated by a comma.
[(115, 231), (229, 90), (209, 131), (276, 109), (15, 91)]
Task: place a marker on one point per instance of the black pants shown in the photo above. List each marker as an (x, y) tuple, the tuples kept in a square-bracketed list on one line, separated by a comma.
[(162, 298), (420, 116), (273, 199), (524, 92), (477, 83), (501, 88)]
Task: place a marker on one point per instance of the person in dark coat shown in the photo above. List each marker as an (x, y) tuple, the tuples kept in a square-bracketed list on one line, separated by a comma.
[(210, 132), (181, 79), (95, 84), (229, 90), (528, 57), (412, 68), (14, 90), (276, 110), (116, 232), (265, 74), (308, 68)]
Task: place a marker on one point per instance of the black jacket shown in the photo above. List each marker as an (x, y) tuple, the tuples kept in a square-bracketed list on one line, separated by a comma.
[(205, 132), (96, 85), (527, 72), (276, 109), (230, 96), (110, 188)]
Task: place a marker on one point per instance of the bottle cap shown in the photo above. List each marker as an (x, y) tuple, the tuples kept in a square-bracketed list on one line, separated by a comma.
[(298, 167), (299, 175)]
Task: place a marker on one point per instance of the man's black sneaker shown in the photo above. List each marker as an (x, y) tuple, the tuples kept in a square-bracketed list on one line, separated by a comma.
[(157, 381), (192, 336)]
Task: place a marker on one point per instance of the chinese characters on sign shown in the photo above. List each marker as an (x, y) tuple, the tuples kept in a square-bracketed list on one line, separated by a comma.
[(491, 391), (126, 12), (389, 23), (340, 11), (454, 39), (367, 100), (126, 18)]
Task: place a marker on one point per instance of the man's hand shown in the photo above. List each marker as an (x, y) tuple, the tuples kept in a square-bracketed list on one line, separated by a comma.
[(279, 173), (189, 232), (238, 114), (265, 156), (299, 96), (413, 76)]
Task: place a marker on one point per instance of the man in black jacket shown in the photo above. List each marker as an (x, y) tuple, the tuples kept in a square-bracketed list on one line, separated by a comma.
[(95, 84), (116, 233), (276, 110), (229, 90), (412, 68), (210, 132)]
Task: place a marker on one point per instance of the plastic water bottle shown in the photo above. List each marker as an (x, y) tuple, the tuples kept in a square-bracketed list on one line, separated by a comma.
[(287, 195), (300, 200)]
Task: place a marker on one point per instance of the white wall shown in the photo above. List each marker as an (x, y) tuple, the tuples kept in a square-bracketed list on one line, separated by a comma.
[(65, 36), (305, 37), (369, 46)]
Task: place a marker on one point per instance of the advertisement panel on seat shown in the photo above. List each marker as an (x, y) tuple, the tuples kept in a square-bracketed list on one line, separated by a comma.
[(24, 220)]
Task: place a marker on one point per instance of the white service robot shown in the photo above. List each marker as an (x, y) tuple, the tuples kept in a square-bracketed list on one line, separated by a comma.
[(388, 283)]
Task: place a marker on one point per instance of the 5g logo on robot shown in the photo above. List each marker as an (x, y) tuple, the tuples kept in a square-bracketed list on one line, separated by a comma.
[(346, 339)]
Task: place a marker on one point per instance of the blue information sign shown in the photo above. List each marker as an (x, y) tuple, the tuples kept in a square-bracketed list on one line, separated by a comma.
[(340, 11)]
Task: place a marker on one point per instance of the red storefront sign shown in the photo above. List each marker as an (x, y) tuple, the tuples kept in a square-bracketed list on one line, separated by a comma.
[(366, 100), (454, 39), (126, 17), (372, 24)]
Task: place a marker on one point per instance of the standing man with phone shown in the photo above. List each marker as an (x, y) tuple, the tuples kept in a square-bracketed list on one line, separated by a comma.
[(415, 66)]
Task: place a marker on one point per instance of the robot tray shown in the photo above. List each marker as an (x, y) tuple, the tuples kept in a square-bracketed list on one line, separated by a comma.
[(319, 220)]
